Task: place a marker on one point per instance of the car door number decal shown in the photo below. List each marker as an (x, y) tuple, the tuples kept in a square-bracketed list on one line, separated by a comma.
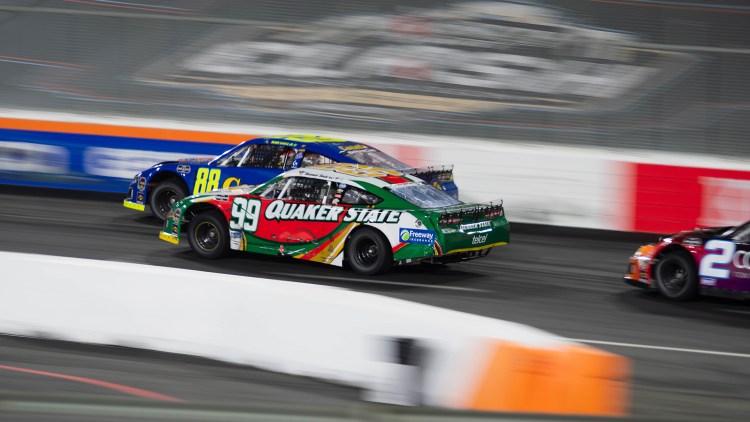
[(245, 213), (206, 180), (707, 267)]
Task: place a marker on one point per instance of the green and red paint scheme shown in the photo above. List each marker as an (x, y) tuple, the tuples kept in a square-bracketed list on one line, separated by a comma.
[(367, 217)]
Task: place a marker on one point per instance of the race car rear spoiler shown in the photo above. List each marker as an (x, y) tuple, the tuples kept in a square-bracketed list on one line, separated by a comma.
[(432, 174), (474, 212)]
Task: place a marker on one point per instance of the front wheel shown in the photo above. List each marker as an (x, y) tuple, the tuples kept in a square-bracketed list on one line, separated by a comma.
[(676, 277), (208, 235), (164, 195), (368, 252)]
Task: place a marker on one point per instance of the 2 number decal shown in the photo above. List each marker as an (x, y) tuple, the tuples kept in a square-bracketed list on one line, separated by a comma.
[(206, 180), (245, 213), (726, 250)]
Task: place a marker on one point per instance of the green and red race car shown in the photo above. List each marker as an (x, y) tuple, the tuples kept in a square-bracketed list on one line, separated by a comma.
[(366, 217)]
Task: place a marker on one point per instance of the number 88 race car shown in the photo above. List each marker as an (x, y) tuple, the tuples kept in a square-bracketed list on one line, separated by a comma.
[(713, 261), (256, 161), (366, 217)]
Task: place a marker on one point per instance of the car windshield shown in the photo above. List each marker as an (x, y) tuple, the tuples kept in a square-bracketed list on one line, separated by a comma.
[(375, 158), (423, 195)]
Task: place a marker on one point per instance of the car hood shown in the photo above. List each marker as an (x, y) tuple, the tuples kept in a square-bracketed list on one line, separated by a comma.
[(697, 235)]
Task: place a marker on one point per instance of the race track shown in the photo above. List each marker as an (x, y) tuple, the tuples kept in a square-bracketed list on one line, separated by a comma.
[(692, 360)]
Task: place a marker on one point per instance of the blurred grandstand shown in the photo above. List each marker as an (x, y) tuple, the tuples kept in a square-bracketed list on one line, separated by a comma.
[(654, 75)]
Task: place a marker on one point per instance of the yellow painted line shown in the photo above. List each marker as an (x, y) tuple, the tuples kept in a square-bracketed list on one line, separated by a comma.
[(476, 248), (133, 206)]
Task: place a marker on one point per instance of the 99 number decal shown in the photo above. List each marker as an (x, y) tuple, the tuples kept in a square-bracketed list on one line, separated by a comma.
[(245, 213)]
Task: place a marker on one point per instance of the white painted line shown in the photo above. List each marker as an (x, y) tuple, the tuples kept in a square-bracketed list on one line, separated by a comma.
[(672, 349), (395, 283)]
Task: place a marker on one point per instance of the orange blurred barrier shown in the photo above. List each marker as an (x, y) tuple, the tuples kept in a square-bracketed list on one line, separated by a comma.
[(573, 379), (124, 131)]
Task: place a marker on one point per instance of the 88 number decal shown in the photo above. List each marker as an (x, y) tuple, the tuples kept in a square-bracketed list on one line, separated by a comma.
[(245, 213), (206, 180)]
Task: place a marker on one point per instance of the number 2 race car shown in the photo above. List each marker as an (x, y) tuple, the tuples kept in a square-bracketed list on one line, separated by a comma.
[(714, 261), (256, 161), (366, 217)]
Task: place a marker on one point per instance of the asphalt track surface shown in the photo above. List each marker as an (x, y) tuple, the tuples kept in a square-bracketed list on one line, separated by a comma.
[(691, 360)]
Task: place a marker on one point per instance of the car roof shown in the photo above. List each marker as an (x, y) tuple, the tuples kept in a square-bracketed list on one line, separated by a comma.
[(377, 176), (320, 144)]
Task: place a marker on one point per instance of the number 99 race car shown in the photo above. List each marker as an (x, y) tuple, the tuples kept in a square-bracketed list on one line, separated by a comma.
[(712, 261), (369, 218), (256, 161)]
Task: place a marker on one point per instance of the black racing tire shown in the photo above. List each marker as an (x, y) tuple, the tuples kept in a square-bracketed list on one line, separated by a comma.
[(208, 235), (164, 195), (368, 252), (676, 277)]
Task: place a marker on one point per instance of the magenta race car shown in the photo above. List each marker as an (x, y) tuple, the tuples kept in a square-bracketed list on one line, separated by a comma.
[(711, 261)]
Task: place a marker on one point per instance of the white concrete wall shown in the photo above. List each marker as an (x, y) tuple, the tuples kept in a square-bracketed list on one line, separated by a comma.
[(297, 328)]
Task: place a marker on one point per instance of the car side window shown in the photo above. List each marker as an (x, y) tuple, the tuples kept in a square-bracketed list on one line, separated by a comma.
[(308, 190), (742, 235), (263, 156), (356, 196), (273, 191), (315, 159), (235, 159)]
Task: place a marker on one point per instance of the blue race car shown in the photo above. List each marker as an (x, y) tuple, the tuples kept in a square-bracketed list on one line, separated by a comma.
[(256, 161)]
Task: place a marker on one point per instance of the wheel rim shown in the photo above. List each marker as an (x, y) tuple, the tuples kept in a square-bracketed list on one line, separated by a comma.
[(366, 252), (165, 200), (673, 277), (206, 236)]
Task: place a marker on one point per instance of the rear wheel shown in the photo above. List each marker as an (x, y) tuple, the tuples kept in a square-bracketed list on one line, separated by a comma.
[(368, 252), (164, 195), (209, 235), (676, 277)]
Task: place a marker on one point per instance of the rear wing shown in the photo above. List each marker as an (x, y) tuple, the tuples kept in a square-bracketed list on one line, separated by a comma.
[(433, 174), (471, 212)]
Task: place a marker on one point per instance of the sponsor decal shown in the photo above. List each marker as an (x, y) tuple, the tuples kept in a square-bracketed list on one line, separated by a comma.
[(718, 197), (280, 210), (222, 198), (231, 181), (235, 239), (358, 170), (283, 143), (141, 183), (174, 228), (417, 236), (705, 281), (183, 168), (177, 212), (741, 260), (479, 239), (353, 147), (472, 226), (140, 197), (36, 158)]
